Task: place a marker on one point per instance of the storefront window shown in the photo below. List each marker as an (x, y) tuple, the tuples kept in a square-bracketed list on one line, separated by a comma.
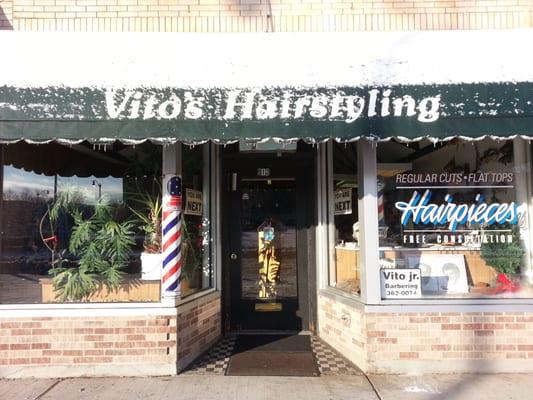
[(196, 225), (344, 272), (452, 220), (69, 232)]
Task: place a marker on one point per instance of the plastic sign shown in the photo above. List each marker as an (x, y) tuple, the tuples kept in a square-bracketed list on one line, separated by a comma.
[(420, 211), (193, 202), (343, 201), (401, 283)]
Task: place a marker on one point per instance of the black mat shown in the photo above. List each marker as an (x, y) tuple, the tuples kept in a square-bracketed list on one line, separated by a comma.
[(272, 355)]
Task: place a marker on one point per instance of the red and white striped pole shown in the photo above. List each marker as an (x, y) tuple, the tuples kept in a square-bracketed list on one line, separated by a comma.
[(172, 260)]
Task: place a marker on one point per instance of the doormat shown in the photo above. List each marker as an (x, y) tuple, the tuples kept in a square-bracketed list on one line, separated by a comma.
[(272, 355)]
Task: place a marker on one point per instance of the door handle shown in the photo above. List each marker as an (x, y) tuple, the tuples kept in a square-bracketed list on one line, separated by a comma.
[(233, 256)]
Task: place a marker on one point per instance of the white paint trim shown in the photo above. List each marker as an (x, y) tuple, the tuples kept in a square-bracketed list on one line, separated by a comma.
[(445, 306), (368, 222), (87, 312), (82, 306)]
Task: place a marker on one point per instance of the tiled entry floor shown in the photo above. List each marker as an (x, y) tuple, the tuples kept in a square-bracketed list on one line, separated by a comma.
[(216, 360)]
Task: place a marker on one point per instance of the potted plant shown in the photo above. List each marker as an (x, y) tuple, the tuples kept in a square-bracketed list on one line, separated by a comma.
[(505, 258), (98, 248), (148, 217)]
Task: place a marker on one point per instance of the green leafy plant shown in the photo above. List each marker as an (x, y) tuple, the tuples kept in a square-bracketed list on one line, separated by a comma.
[(504, 257), (148, 217), (98, 249)]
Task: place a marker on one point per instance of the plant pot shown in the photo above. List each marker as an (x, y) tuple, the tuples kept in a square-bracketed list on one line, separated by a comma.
[(151, 266)]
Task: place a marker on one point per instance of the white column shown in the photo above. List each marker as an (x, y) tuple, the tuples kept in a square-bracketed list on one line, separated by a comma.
[(368, 221), (171, 167)]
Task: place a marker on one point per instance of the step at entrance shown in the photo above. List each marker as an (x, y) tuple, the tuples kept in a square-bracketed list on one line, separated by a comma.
[(272, 355), (217, 359)]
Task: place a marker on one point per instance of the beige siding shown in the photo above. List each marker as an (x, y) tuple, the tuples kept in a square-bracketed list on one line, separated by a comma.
[(263, 15)]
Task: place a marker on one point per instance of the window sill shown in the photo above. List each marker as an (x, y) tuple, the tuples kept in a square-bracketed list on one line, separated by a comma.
[(164, 307)]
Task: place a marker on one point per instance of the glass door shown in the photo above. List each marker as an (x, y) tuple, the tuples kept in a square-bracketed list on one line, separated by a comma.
[(264, 254)]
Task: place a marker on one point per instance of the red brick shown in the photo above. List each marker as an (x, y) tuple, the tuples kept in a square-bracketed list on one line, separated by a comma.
[(21, 332), (9, 325), (484, 333), (83, 331), (52, 352), (376, 334), (506, 318), (472, 326), (408, 355), (136, 323), (493, 326), (159, 322), (103, 345), (41, 332), (123, 345), (40, 346), (30, 325), (40, 360), (441, 347), (72, 353), (93, 352), (450, 326), (94, 338), (114, 352), (440, 319), (505, 347), (515, 326), (135, 352), (19, 346), (135, 337), (103, 331), (387, 340), (415, 320), (124, 330)]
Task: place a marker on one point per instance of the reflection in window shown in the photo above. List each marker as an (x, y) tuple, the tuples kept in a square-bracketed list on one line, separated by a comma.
[(32, 243), (453, 213), (196, 271), (344, 271)]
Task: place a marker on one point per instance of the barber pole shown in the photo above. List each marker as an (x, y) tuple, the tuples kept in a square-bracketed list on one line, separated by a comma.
[(381, 206), (172, 260)]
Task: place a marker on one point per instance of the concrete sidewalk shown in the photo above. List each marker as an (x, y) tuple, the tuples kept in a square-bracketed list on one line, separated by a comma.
[(189, 387)]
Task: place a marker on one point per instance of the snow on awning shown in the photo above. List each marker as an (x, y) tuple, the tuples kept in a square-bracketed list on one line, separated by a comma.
[(167, 87)]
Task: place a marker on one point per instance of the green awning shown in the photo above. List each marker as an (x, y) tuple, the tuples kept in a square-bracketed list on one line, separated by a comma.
[(166, 87), (225, 115)]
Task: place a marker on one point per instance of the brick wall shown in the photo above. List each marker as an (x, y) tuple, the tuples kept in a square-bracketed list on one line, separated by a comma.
[(344, 328), (92, 345), (199, 326), (264, 15), (63, 343), (428, 342)]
